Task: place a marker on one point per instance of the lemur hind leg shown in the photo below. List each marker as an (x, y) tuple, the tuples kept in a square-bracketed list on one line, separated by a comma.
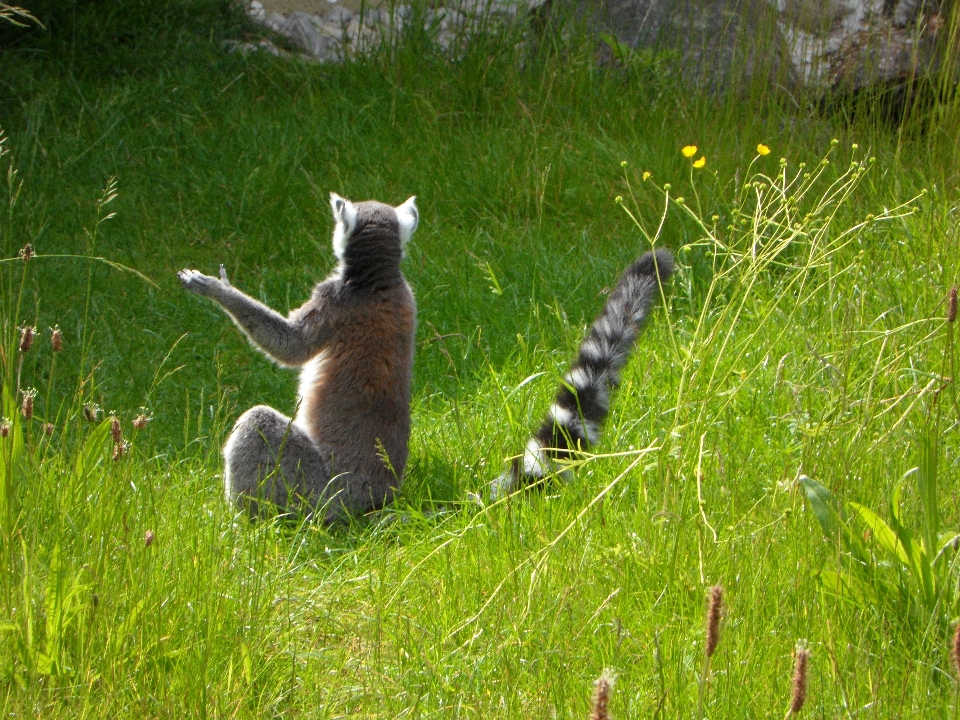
[(270, 460)]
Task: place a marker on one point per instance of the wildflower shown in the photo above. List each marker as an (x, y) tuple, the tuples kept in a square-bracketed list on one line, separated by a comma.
[(799, 696), (952, 305), (714, 611), (601, 696), (646, 176), (618, 199), (141, 421), (56, 339), (623, 163), (763, 149), (701, 162), (689, 151), (47, 429), (91, 412), (27, 252), (120, 449), (148, 538), (26, 408), (116, 432), (4, 428), (27, 333)]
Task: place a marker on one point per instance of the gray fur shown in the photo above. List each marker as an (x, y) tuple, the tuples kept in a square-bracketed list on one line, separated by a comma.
[(345, 451), (583, 401)]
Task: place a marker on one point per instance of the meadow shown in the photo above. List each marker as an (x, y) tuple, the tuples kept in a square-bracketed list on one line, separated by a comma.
[(786, 429)]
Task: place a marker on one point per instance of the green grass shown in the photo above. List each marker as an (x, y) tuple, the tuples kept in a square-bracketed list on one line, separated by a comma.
[(779, 352)]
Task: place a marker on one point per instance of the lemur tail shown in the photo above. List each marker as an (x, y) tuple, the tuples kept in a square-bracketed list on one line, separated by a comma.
[(583, 400)]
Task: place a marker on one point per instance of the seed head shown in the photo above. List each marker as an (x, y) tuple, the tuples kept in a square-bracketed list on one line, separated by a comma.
[(601, 696), (148, 538), (27, 252), (91, 412), (47, 429), (141, 421), (956, 640), (26, 407), (56, 339), (116, 432), (799, 696), (4, 428), (952, 305), (27, 334), (120, 449), (714, 611)]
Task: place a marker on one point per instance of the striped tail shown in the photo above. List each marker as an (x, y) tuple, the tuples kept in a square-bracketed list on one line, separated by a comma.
[(583, 400)]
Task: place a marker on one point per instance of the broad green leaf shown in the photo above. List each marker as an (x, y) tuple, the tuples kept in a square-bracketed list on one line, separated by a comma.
[(927, 486), (882, 533), (824, 505), (847, 587), (53, 604), (94, 449), (946, 540)]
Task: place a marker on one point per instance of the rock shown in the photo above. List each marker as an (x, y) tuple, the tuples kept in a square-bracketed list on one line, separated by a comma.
[(303, 31), (338, 15), (245, 48), (338, 32), (823, 45), (256, 11), (269, 47), (277, 22)]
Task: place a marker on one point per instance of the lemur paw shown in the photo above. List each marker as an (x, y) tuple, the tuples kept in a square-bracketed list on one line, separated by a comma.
[(197, 282)]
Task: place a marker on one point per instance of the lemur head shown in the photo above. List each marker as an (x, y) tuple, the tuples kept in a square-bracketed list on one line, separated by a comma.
[(371, 232)]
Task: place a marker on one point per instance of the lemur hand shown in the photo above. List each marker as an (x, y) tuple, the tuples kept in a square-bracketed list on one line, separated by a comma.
[(201, 284)]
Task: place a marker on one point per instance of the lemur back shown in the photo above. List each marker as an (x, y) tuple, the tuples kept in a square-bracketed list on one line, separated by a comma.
[(346, 449)]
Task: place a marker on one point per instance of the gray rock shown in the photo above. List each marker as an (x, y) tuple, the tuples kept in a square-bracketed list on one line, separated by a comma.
[(304, 32), (256, 12), (338, 15), (278, 23), (824, 45)]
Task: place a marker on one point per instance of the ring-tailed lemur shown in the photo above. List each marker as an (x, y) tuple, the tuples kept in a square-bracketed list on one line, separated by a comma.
[(346, 449), (583, 400)]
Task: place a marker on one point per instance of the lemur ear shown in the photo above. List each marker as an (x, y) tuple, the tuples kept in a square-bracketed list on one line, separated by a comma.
[(345, 217), (343, 210), (408, 217)]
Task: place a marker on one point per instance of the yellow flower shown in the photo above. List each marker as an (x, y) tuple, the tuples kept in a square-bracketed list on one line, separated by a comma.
[(646, 176), (701, 162), (689, 151), (763, 149)]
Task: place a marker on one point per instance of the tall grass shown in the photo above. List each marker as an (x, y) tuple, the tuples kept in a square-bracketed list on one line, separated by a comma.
[(805, 334)]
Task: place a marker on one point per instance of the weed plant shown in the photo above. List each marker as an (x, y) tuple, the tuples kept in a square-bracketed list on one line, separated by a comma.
[(805, 336)]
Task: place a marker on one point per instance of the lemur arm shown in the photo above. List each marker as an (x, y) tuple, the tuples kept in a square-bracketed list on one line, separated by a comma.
[(291, 341)]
